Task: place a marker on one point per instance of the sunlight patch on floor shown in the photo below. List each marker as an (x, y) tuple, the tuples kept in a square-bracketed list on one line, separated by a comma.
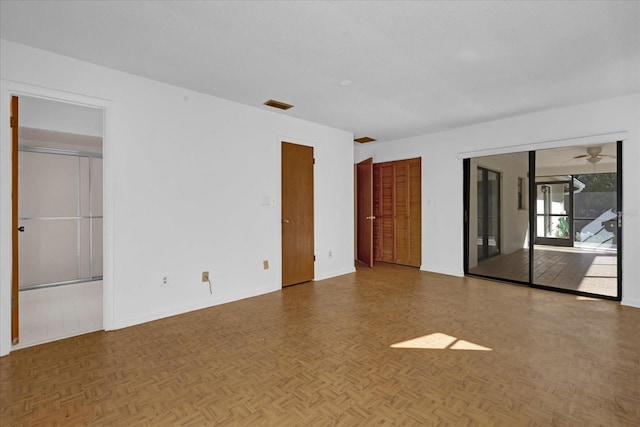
[(439, 341), (581, 298)]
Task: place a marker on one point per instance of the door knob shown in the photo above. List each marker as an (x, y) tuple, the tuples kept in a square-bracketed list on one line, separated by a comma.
[(371, 217), (21, 229), (285, 221)]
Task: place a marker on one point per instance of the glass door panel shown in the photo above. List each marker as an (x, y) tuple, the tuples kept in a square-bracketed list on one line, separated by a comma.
[(48, 251), (60, 211), (576, 224), (498, 237)]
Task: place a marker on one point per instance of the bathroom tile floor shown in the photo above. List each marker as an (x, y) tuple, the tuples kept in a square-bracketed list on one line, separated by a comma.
[(50, 314)]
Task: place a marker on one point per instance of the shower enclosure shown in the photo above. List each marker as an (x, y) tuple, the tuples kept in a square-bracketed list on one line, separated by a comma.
[(60, 216)]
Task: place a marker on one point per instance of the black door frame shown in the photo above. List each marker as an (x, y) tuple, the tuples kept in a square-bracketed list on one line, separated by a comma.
[(554, 241), (532, 223)]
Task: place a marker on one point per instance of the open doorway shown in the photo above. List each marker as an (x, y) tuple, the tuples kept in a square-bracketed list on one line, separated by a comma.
[(59, 213)]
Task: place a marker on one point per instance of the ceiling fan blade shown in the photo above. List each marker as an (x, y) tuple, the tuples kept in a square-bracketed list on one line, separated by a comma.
[(582, 156)]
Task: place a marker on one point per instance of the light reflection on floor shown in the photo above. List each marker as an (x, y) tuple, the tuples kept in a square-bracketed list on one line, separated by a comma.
[(439, 341)]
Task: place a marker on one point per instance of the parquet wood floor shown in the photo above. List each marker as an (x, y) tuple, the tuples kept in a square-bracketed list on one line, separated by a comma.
[(321, 354)]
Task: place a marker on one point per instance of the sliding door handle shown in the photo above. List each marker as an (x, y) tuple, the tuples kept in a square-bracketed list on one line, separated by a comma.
[(21, 229)]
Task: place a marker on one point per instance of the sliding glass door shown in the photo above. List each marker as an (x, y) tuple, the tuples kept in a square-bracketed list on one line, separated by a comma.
[(568, 199)]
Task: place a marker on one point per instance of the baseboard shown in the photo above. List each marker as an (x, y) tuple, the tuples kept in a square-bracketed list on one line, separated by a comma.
[(455, 273), (335, 274), (150, 317), (630, 302)]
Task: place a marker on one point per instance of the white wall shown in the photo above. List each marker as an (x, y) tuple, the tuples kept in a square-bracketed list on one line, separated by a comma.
[(60, 117), (586, 124), (186, 175)]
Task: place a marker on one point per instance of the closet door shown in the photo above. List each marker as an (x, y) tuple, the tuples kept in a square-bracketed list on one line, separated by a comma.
[(387, 212), (377, 212), (415, 212), (397, 208), (401, 206), (408, 209)]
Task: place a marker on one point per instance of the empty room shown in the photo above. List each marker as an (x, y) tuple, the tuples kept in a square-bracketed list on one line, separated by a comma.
[(320, 213)]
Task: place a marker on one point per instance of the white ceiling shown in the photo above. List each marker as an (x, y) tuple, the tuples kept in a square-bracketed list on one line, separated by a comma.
[(416, 67)]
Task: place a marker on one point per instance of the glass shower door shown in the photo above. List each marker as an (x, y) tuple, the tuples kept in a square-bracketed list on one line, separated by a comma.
[(59, 211)]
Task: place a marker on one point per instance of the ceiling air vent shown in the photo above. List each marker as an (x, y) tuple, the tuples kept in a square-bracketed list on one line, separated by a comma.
[(364, 139), (277, 104)]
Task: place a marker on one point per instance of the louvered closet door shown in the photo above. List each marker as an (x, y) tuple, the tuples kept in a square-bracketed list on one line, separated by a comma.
[(377, 212), (402, 212), (415, 212), (397, 207)]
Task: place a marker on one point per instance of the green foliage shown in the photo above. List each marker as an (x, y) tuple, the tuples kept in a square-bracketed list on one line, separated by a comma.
[(563, 227), (598, 182)]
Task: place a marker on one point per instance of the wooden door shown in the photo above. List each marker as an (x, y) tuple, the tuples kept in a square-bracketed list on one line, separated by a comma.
[(365, 215), (386, 220), (401, 212), (15, 318), (397, 206), (415, 212), (297, 214)]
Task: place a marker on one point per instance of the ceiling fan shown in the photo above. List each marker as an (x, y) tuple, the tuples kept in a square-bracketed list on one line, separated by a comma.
[(594, 155)]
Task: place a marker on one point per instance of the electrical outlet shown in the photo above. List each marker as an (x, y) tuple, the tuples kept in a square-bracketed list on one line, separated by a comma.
[(164, 281), (205, 276), (265, 264)]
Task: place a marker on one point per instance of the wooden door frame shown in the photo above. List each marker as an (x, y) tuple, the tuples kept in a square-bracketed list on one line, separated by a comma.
[(15, 306)]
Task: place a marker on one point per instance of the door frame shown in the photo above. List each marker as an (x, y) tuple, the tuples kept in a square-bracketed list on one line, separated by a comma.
[(15, 291), (554, 241), (9, 89)]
